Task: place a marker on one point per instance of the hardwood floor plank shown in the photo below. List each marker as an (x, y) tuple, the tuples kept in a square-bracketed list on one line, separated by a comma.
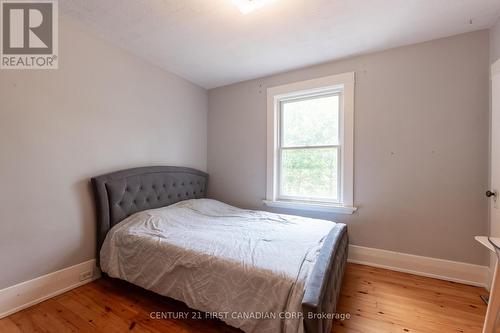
[(377, 300), (7, 325), (402, 302), (66, 318)]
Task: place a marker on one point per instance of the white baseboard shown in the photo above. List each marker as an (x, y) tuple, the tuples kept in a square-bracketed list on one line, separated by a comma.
[(26, 294), (448, 270)]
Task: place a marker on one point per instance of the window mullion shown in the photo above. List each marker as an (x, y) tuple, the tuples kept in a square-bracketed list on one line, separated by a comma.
[(310, 147)]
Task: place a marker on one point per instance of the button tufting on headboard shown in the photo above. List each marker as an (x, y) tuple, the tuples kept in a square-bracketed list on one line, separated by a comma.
[(123, 193), (120, 200)]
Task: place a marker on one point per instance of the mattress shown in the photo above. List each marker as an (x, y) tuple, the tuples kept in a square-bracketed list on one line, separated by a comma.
[(248, 268)]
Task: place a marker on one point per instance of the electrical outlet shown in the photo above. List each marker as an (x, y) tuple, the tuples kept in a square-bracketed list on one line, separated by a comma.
[(85, 275)]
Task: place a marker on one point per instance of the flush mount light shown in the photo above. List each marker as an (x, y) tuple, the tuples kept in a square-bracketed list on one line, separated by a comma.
[(247, 6)]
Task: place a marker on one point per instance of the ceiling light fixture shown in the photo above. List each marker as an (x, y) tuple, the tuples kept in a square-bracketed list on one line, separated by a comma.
[(247, 6)]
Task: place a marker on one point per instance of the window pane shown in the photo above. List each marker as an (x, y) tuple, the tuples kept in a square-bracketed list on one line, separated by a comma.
[(310, 122), (309, 173)]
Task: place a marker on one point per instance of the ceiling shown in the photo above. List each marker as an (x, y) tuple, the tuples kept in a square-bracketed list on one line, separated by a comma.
[(212, 44)]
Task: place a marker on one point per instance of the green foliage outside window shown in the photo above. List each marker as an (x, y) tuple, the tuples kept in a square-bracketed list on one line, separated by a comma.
[(310, 172)]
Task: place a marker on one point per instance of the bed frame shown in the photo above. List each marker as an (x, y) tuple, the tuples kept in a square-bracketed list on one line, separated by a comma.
[(123, 193)]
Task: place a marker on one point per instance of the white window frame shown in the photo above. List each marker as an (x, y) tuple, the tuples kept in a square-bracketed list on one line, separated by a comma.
[(342, 84)]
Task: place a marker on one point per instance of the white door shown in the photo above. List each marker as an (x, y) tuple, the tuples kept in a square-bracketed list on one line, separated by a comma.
[(494, 193), (495, 150)]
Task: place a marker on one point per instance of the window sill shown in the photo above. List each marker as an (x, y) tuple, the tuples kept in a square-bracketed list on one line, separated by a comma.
[(312, 206)]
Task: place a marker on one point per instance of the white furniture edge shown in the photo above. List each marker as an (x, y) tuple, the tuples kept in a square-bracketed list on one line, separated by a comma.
[(347, 80), (494, 301), (475, 275), (28, 293), (317, 207), (495, 68), (485, 241)]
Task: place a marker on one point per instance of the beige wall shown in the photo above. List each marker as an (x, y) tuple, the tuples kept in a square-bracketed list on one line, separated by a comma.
[(421, 146), (103, 110)]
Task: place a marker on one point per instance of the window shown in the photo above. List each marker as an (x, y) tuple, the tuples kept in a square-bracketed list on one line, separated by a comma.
[(310, 144)]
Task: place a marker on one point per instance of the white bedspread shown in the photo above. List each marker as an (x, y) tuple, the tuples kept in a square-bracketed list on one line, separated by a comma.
[(214, 257)]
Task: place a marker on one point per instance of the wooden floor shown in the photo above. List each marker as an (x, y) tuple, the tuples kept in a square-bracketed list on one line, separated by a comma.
[(377, 300)]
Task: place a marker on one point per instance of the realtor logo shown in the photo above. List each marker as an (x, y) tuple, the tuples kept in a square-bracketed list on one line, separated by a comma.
[(29, 34)]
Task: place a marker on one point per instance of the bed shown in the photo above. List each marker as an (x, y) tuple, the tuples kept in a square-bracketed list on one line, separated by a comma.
[(258, 271)]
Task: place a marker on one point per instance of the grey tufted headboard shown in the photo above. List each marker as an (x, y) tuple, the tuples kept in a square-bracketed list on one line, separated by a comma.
[(123, 193)]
